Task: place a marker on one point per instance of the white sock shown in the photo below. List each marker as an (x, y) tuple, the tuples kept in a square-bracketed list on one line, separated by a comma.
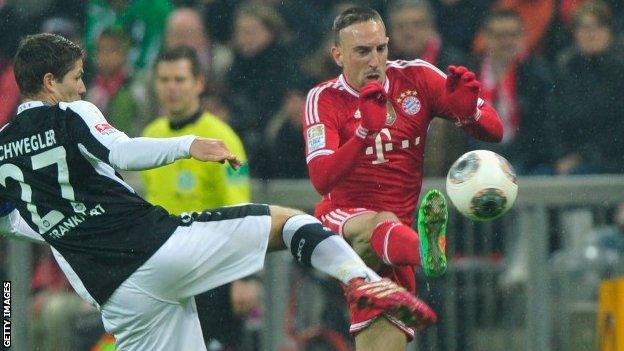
[(327, 252)]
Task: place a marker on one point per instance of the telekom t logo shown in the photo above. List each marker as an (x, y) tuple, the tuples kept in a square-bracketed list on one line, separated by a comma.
[(382, 146)]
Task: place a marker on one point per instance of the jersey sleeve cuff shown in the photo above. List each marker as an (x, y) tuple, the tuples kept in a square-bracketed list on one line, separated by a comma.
[(317, 153), (184, 145), (470, 120)]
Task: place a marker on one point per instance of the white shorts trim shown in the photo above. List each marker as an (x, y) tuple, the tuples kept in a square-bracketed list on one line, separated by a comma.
[(345, 217)]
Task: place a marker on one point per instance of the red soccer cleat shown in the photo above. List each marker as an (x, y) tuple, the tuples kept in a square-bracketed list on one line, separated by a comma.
[(394, 300)]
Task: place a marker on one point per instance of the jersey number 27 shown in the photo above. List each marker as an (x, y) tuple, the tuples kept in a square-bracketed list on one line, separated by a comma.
[(50, 157)]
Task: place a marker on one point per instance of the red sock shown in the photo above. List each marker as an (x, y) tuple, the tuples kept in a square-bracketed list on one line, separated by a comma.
[(396, 244)]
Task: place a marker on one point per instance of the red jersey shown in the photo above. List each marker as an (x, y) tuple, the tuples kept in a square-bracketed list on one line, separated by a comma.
[(388, 173)]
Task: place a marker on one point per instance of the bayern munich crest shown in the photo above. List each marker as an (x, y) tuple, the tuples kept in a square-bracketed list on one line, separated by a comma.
[(409, 102)]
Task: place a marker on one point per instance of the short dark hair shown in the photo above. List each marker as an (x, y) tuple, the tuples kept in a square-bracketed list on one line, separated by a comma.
[(117, 34), (351, 16), (400, 5), (497, 14), (270, 18), (598, 9), (40, 54), (181, 52)]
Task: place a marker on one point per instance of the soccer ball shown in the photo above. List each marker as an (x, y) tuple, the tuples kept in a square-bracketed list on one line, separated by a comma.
[(482, 185)]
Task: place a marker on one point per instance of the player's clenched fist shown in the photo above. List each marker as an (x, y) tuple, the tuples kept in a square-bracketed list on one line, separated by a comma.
[(205, 149), (372, 105), (462, 92)]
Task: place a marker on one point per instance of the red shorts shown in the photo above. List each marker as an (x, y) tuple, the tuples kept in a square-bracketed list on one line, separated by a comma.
[(402, 275)]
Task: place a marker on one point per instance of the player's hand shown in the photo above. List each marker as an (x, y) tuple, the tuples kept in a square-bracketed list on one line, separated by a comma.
[(214, 150), (462, 92), (244, 295), (372, 105)]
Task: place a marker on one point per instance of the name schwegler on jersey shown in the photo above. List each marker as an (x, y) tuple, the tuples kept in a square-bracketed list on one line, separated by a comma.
[(54, 166)]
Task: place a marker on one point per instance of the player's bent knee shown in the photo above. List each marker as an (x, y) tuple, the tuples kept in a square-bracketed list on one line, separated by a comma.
[(384, 216), (279, 216), (364, 232)]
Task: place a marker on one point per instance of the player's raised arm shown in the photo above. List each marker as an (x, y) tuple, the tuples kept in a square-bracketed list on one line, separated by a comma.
[(471, 113), (457, 98), (103, 141), (215, 150), (328, 163)]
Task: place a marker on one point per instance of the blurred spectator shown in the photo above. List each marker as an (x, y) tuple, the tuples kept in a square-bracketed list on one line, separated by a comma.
[(588, 103), (319, 66), (612, 236), (58, 312), (11, 30), (55, 306), (304, 20), (519, 85), (110, 89), (185, 27), (25, 17), (218, 17), (143, 20), (10, 91), (459, 20), (190, 185), (64, 27), (259, 78), (536, 16), (284, 138), (414, 35)]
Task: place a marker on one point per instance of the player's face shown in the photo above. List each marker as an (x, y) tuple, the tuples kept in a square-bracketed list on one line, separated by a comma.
[(410, 28), (591, 36), (71, 87), (362, 53), (504, 38), (111, 55), (177, 88)]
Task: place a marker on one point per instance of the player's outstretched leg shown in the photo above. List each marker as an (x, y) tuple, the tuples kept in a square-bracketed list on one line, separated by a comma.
[(314, 246), (432, 221)]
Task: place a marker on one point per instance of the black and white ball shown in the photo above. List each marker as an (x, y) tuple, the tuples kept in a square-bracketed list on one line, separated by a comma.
[(482, 185)]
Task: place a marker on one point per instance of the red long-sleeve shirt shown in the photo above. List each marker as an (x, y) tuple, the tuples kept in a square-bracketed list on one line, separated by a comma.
[(384, 171)]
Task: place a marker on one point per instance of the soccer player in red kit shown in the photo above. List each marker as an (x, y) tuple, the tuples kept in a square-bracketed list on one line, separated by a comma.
[(365, 134)]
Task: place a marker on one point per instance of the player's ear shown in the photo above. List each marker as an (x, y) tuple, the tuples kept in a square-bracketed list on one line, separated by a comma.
[(49, 82), (336, 53), (201, 82)]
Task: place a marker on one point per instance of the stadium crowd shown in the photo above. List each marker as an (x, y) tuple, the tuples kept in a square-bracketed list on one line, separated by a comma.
[(554, 70), (548, 66)]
